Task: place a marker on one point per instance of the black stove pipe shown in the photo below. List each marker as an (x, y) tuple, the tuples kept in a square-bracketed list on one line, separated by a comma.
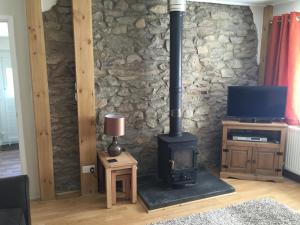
[(176, 29)]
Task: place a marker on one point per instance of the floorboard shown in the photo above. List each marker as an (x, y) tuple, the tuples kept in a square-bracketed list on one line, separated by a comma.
[(90, 210), (10, 163)]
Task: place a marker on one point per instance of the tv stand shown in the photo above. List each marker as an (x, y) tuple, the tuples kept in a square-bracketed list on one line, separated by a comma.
[(253, 160)]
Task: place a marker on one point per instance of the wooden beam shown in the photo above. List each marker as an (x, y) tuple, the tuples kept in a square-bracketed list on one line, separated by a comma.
[(268, 14), (40, 98), (84, 60)]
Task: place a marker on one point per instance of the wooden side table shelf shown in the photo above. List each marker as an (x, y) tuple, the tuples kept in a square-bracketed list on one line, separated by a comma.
[(121, 168)]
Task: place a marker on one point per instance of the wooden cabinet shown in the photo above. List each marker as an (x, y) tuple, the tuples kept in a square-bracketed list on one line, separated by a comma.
[(253, 160), (237, 159), (265, 161)]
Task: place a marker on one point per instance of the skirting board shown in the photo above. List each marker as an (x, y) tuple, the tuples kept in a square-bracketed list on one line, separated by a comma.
[(68, 194), (291, 175), (250, 177)]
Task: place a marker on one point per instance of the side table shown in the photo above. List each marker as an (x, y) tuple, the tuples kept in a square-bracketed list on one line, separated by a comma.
[(115, 165)]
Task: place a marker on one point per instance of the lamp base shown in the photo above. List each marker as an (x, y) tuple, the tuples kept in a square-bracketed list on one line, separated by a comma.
[(114, 149)]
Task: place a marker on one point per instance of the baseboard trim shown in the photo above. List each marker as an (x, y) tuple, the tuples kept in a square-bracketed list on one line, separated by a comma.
[(68, 194), (247, 176), (291, 175), (8, 147)]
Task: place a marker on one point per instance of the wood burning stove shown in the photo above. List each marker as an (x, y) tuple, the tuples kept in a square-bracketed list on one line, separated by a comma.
[(177, 151), (177, 159)]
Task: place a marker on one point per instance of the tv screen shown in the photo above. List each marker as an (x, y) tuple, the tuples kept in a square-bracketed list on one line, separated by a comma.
[(256, 102)]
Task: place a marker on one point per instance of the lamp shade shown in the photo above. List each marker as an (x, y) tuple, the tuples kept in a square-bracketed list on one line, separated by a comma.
[(114, 125)]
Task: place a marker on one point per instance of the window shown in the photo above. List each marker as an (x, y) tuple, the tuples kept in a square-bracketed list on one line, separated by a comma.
[(9, 83), (3, 29)]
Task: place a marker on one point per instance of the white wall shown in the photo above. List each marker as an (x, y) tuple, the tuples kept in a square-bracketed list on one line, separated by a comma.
[(47, 4), (286, 8), (16, 8)]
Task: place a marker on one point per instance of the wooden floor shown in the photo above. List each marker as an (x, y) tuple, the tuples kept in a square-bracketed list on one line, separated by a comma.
[(91, 210), (10, 164)]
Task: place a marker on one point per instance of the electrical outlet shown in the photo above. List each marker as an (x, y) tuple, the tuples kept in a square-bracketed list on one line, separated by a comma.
[(89, 169)]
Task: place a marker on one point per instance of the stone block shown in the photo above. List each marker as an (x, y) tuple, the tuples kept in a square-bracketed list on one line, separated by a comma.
[(138, 7), (122, 5), (140, 23), (236, 40), (159, 9), (227, 73), (122, 29)]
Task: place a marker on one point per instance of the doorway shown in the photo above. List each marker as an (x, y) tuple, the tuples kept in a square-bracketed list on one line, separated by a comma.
[(10, 160)]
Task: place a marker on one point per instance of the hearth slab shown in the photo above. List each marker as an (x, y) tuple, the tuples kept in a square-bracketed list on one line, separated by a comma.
[(156, 195)]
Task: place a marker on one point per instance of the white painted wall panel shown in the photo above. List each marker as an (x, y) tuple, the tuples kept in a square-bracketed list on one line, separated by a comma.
[(286, 8)]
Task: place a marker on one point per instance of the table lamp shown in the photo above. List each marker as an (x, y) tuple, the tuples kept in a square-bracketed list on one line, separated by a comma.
[(114, 125)]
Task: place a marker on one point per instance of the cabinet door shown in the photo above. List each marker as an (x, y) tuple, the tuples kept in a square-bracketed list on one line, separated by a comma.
[(238, 159), (265, 161)]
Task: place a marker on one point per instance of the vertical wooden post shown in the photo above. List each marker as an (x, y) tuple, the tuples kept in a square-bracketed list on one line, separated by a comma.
[(268, 14), (40, 98), (84, 59), (134, 184)]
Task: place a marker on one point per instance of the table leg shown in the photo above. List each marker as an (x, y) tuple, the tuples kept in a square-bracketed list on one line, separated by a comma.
[(123, 184), (114, 188), (108, 188), (127, 185), (134, 184), (101, 176)]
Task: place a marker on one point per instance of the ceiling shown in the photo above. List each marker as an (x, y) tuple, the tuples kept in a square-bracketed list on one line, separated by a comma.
[(47, 4), (247, 2)]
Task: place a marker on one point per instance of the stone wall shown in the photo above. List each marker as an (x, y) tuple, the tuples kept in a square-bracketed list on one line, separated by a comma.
[(63, 108), (132, 54), (131, 39)]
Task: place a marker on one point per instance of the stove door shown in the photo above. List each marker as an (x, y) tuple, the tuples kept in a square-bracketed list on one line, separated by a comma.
[(182, 157)]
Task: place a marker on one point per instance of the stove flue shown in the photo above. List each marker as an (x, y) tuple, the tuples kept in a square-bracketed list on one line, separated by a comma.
[(177, 151), (177, 10)]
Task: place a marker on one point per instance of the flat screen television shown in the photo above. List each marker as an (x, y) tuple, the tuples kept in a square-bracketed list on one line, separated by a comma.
[(256, 102)]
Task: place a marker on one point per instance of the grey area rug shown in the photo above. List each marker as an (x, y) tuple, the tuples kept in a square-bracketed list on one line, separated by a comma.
[(256, 212)]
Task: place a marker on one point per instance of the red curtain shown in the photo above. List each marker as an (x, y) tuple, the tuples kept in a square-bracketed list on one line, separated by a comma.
[(283, 61)]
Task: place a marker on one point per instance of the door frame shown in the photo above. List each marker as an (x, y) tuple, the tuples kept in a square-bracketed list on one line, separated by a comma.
[(16, 80)]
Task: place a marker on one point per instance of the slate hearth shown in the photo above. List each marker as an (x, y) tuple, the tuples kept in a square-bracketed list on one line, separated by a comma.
[(157, 195)]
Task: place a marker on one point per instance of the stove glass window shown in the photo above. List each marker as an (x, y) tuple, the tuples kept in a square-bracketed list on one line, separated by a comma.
[(183, 160)]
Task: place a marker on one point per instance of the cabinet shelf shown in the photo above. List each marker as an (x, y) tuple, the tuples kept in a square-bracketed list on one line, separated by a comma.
[(252, 144)]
